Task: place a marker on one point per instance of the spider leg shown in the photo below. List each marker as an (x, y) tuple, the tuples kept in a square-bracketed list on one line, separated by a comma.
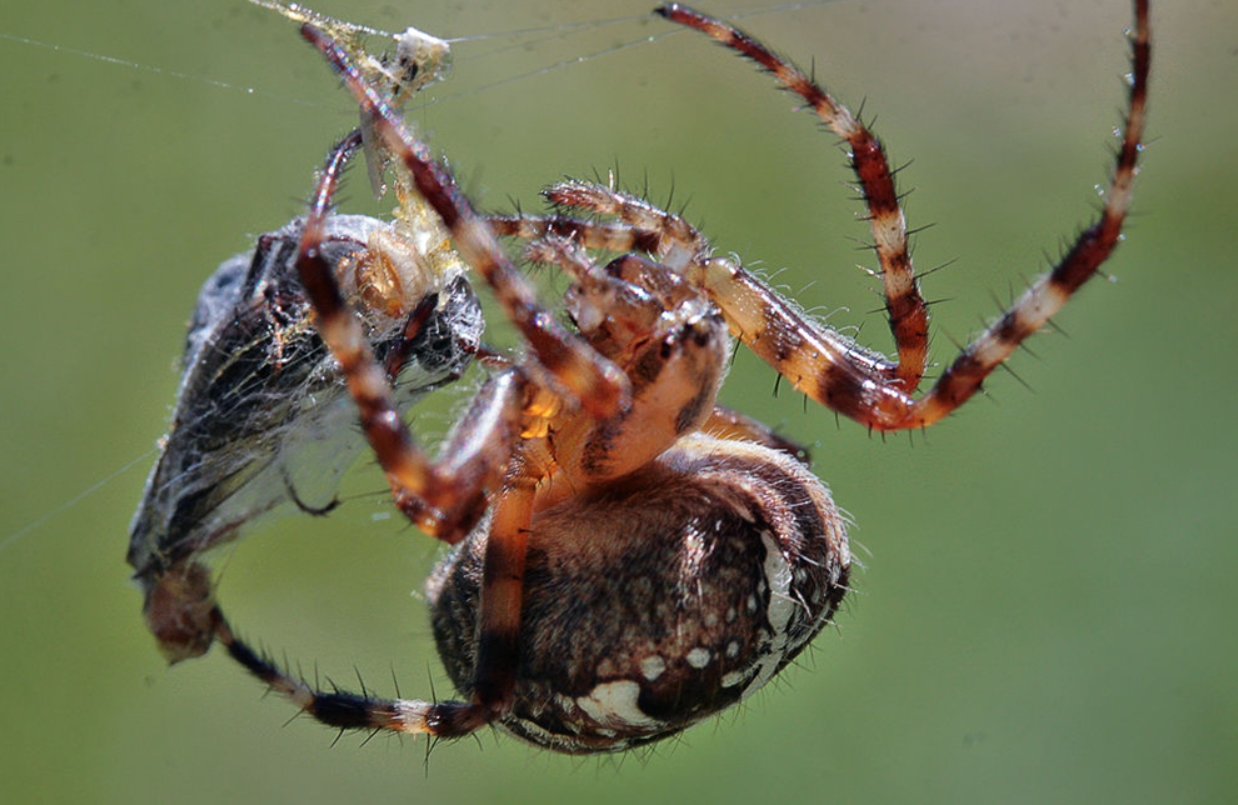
[(670, 341), (498, 641), (596, 383), (344, 709), (838, 373), (182, 612), (445, 498), (502, 594), (677, 242), (908, 314), (610, 236), (439, 497), (725, 423), (1050, 292), (641, 226)]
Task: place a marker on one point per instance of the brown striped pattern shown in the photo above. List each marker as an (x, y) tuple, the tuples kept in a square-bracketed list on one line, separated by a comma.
[(352, 711), (640, 226), (907, 312), (831, 368), (595, 382), (498, 648), (610, 236), (440, 498), (1049, 292), (725, 423)]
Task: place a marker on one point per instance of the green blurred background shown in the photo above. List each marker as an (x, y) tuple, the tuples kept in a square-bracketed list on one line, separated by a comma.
[(1047, 612)]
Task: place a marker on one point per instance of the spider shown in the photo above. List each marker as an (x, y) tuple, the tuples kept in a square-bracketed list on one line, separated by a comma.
[(629, 557)]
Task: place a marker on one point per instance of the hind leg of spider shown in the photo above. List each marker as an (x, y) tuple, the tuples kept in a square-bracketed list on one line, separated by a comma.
[(497, 656), (726, 423), (835, 371), (907, 312), (480, 463), (346, 710)]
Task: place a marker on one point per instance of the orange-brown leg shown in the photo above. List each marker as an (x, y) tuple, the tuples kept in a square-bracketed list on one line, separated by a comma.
[(497, 657), (905, 306), (596, 383), (835, 371), (441, 497), (611, 236), (447, 496), (726, 423)]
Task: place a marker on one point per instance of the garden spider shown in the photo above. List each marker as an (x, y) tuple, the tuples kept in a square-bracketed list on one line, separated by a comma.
[(629, 557)]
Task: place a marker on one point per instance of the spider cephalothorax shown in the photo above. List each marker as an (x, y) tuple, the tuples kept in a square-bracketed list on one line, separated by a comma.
[(629, 556)]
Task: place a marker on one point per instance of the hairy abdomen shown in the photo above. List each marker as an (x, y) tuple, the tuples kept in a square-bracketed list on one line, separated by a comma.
[(657, 600)]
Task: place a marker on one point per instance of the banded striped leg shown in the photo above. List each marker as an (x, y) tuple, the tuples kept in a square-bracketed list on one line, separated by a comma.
[(441, 497), (757, 315), (596, 383), (726, 423), (674, 241), (446, 497), (640, 227), (837, 373), (611, 236), (498, 652), (908, 314)]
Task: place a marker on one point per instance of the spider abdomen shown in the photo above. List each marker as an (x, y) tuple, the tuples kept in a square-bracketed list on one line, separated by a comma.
[(657, 600)]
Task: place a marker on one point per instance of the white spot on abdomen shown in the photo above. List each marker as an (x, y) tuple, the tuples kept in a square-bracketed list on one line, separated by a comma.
[(652, 667), (778, 613), (616, 703)]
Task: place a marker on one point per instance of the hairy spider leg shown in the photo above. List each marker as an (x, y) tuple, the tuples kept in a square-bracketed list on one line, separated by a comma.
[(834, 378), (596, 383), (905, 307), (641, 228), (446, 498), (435, 496), (741, 297), (499, 627), (475, 458), (727, 423)]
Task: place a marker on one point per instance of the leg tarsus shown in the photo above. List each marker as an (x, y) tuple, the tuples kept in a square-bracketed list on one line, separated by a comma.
[(351, 711)]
